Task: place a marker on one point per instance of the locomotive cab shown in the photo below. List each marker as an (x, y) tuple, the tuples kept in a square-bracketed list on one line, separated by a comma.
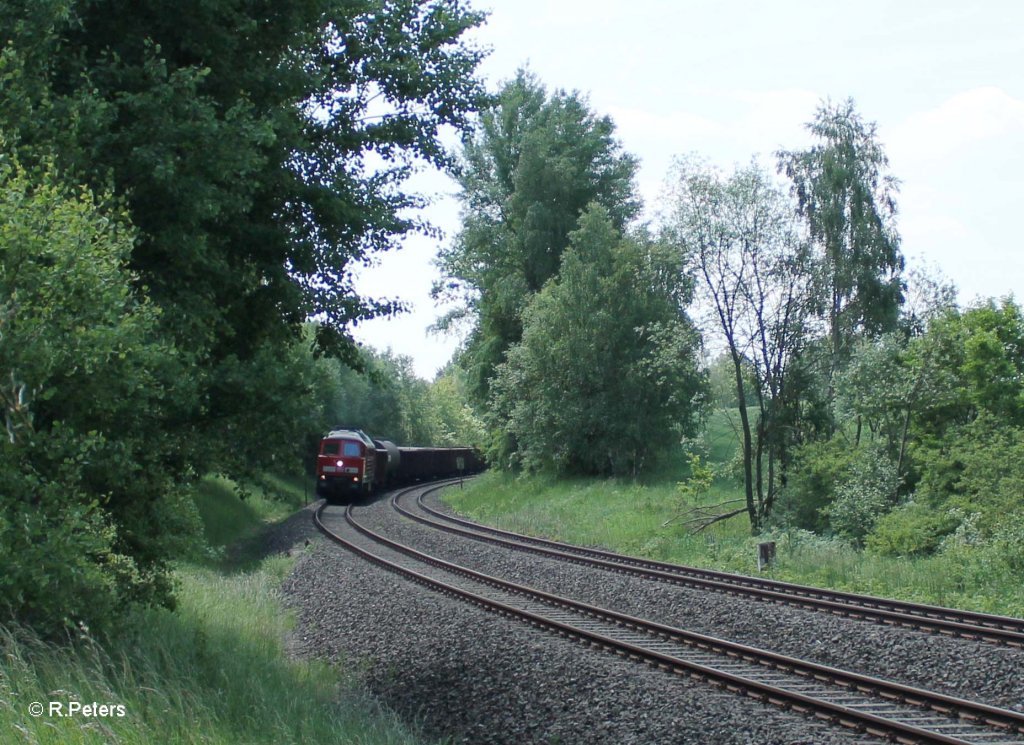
[(345, 465)]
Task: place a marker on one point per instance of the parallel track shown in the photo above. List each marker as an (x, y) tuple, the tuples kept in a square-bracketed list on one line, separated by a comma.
[(873, 706), (934, 619)]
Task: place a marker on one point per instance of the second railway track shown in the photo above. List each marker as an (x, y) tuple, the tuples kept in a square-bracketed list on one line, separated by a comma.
[(933, 619), (883, 709)]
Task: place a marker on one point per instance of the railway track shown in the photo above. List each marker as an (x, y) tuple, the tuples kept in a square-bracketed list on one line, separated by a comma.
[(933, 619), (869, 705)]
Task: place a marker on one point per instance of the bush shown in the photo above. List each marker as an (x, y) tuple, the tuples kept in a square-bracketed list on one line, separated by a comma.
[(912, 529), (1008, 543), (978, 467), (88, 515), (868, 493), (817, 468), (57, 553)]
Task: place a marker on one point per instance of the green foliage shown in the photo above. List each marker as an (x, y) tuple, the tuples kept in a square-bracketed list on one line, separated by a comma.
[(702, 475), (388, 401), (535, 165), (606, 374), (254, 123), (260, 154), (877, 385), (912, 529), (945, 406), (1007, 543), (848, 203), (60, 564), (868, 493), (267, 404), (817, 468), (978, 468), (982, 353), (458, 424), (90, 516)]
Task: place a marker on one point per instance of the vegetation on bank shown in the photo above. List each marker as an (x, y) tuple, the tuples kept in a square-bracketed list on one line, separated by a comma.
[(180, 194), (630, 517), (875, 419), (664, 516), (214, 671)]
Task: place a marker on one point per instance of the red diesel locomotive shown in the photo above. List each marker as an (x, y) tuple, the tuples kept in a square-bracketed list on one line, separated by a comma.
[(351, 465)]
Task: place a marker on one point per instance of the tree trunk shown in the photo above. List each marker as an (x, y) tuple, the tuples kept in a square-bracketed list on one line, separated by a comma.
[(748, 450)]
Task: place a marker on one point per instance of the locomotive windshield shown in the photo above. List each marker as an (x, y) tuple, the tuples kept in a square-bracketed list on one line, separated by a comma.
[(341, 447)]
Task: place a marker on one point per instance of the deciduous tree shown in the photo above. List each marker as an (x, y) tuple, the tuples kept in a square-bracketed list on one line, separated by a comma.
[(90, 517), (536, 163), (261, 148), (738, 235), (849, 204), (606, 375)]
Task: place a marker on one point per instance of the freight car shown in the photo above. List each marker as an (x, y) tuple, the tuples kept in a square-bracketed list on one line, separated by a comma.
[(351, 465)]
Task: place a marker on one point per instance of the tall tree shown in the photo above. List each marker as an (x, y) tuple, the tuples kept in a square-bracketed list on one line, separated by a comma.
[(739, 236), (606, 375), (848, 202), (259, 149), (262, 149), (536, 163)]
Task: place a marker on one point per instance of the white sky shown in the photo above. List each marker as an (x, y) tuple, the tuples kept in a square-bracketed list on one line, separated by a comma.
[(732, 80)]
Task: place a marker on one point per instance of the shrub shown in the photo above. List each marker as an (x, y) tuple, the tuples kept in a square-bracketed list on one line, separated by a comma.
[(1008, 543), (911, 529), (88, 518), (817, 468), (868, 493)]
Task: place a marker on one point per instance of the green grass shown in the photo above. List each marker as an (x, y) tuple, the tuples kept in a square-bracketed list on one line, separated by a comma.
[(212, 672), (229, 518), (642, 519)]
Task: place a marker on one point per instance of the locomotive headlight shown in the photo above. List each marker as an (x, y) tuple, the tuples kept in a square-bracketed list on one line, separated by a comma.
[(341, 463)]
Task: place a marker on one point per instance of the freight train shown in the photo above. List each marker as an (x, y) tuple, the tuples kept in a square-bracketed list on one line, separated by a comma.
[(351, 465)]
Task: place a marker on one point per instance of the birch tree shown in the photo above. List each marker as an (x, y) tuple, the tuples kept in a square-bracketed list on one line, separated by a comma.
[(739, 238)]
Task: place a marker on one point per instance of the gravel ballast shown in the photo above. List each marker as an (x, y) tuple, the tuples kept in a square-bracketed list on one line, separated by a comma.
[(957, 667), (481, 678)]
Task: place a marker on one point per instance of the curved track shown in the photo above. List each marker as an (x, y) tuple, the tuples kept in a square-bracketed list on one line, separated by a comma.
[(934, 619), (870, 705)]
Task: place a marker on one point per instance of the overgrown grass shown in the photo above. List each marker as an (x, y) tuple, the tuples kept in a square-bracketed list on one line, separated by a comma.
[(642, 519), (230, 515), (214, 671)]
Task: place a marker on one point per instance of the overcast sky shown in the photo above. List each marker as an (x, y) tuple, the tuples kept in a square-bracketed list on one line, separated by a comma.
[(732, 81)]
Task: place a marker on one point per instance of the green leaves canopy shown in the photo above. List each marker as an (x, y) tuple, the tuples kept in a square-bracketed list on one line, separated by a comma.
[(260, 150), (849, 204), (262, 147), (89, 514), (606, 374), (535, 165)]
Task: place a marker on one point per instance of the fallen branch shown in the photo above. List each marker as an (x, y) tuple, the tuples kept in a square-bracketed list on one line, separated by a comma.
[(712, 519), (703, 508)]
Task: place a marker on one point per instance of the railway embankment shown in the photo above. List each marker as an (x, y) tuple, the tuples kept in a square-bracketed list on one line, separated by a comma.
[(217, 670)]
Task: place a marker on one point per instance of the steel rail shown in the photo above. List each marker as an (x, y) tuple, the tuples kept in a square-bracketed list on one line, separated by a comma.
[(935, 619), (957, 711)]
